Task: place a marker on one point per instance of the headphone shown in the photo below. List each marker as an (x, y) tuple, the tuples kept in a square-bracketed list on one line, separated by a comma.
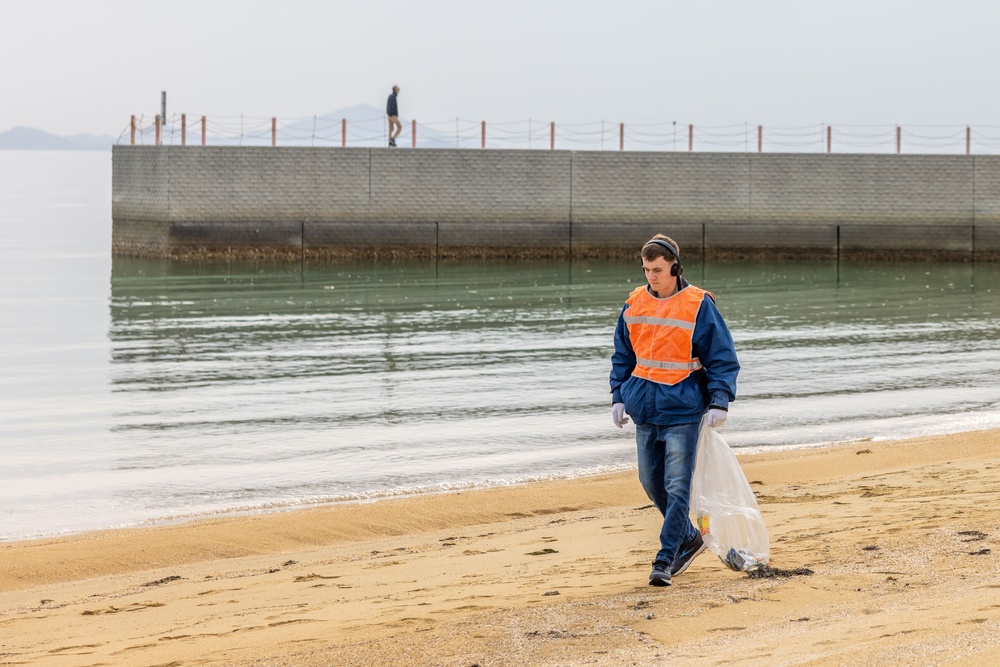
[(676, 269)]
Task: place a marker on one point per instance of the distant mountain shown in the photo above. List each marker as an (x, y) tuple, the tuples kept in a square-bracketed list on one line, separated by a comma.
[(359, 113), (366, 127), (30, 138)]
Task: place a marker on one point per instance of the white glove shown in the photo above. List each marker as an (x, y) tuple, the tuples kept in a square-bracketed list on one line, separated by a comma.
[(618, 414), (717, 417)]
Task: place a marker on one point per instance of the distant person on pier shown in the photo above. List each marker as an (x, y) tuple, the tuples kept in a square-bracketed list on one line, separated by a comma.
[(391, 110), (674, 361)]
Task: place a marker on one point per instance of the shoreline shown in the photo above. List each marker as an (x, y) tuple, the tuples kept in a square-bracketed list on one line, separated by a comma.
[(901, 538), (235, 513), (458, 487)]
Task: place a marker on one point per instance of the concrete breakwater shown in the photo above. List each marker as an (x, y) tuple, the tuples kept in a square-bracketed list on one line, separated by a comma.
[(262, 202)]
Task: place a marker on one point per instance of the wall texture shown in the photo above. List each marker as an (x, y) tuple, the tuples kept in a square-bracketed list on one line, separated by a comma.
[(202, 202)]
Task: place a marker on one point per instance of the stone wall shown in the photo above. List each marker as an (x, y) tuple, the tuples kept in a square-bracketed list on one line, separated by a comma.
[(196, 201)]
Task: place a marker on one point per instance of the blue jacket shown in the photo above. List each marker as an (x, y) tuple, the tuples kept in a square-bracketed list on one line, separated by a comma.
[(648, 402), (390, 106)]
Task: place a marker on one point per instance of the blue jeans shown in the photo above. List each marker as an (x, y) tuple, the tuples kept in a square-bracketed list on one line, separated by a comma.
[(666, 462)]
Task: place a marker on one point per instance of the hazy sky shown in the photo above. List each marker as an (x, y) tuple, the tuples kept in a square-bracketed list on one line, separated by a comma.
[(78, 66)]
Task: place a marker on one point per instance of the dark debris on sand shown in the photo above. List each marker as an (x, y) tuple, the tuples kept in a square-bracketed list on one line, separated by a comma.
[(768, 572)]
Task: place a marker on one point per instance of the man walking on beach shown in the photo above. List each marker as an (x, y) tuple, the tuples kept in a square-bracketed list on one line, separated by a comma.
[(674, 360), (391, 110)]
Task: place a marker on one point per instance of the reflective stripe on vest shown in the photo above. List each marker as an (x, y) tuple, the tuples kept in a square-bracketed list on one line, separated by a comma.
[(663, 321), (661, 331), (670, 365)]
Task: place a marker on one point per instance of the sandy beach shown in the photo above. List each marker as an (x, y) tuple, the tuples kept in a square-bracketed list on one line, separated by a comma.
[(900, 539)]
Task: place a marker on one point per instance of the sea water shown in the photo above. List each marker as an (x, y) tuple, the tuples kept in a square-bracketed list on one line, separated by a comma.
[(139, 391)]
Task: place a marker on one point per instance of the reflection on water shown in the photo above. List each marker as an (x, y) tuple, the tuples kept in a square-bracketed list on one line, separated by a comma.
[(869, 351), (222, 387), (242, 386), (269, 386)]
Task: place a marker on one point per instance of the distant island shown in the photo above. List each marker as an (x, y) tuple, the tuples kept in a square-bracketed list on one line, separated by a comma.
[(368, 119), (33, 139)]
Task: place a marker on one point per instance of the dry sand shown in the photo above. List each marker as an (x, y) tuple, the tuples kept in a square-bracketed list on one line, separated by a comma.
[(901, 537)]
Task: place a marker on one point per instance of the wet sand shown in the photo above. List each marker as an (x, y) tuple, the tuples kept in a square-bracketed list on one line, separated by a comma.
[(901, 539)]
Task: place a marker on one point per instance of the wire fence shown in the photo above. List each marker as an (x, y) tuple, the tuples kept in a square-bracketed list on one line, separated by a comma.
[(533, 134)]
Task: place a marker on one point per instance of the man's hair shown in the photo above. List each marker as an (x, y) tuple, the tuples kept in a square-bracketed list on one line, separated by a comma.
[(651, 251)]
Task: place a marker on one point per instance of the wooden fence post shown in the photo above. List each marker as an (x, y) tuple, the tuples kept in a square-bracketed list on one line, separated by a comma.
[(203, 131), (484, 135), (184, 127), (133, 130), (690, 137), (274, 131), (157, 130), (552, 136), (343, 132), (760, 138), (414, 132), (621, 137)]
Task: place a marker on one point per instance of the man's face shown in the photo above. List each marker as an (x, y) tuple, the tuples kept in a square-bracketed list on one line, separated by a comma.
[(396, 90), (658, 275)]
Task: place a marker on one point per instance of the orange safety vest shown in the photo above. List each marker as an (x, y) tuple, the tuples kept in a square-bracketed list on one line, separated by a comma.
[(661, 331)]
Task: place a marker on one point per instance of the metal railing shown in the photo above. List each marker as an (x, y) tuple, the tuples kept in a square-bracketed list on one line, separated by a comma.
[(533, 134)]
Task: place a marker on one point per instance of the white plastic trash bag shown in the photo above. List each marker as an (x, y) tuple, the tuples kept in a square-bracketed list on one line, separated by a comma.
[(724, 506)]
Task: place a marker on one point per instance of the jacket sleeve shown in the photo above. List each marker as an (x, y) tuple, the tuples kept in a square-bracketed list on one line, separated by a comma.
[(714, 347), (623, 360)]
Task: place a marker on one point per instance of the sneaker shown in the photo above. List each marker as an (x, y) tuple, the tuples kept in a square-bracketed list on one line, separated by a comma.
[(688, 552), (660, 576), (392, 142)]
